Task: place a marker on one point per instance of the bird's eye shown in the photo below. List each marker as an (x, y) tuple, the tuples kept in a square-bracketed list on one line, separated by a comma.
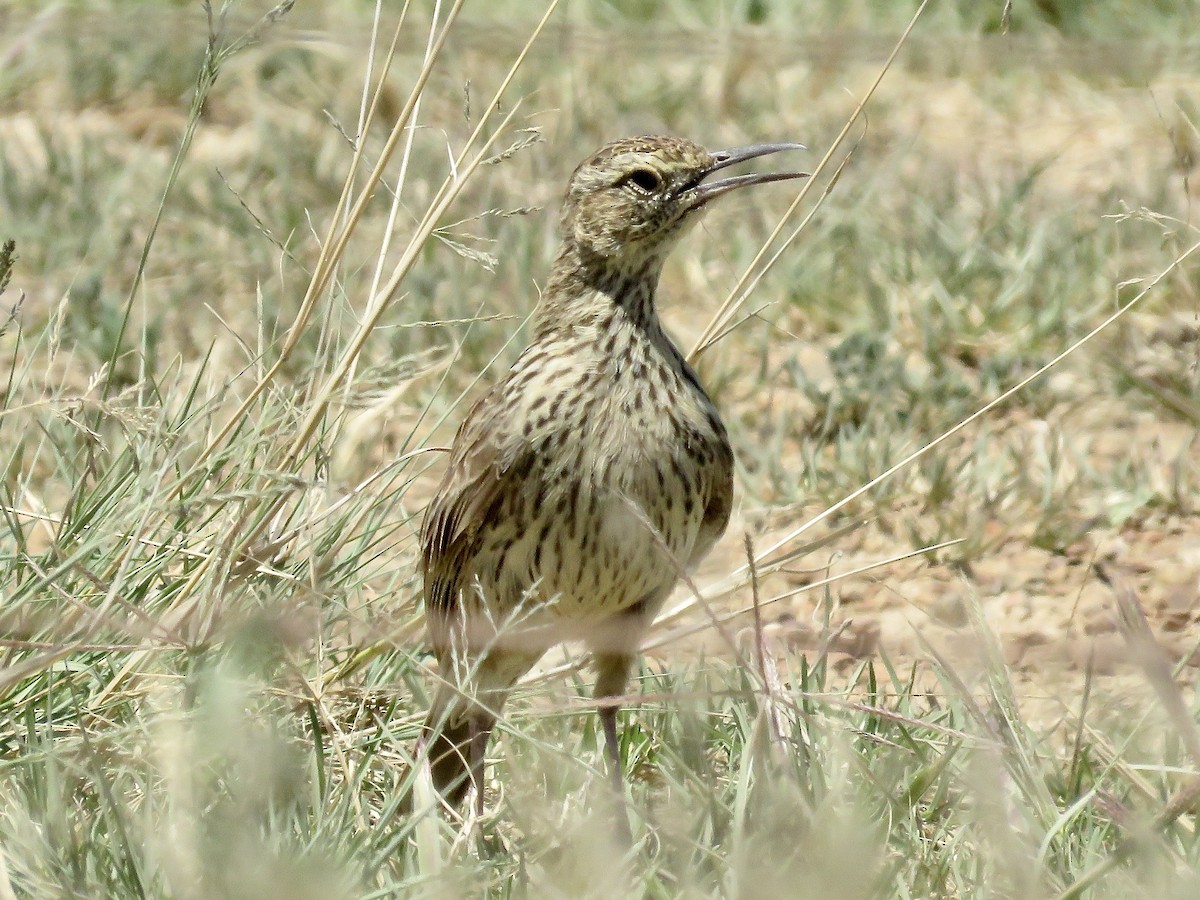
[(644, 180)]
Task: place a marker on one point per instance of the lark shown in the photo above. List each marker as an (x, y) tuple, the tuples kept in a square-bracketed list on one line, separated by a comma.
[(593, 474)]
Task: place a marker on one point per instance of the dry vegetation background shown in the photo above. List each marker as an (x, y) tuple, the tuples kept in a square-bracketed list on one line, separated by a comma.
[(209, 637)]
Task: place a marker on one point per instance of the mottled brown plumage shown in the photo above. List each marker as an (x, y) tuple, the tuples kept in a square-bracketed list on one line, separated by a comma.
[(582, 482)]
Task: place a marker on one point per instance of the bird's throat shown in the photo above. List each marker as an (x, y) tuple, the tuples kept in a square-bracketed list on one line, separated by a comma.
[(586, 292)]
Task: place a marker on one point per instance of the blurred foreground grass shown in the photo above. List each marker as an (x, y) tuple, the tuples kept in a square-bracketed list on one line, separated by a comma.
[(212, 673)]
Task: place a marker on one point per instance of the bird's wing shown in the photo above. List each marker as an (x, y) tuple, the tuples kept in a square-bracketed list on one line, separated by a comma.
[(717, 509), (485, 468)]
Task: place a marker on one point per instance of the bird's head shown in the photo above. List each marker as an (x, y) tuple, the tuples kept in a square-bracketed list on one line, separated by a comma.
[(632, 199)]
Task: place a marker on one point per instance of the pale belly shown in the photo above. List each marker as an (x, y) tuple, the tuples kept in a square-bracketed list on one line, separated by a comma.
[(568, 563)]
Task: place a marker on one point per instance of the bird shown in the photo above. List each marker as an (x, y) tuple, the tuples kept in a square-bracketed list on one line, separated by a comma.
[(583, 484)]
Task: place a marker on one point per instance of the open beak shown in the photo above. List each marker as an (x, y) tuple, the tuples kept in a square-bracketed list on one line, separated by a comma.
[(702, 193)]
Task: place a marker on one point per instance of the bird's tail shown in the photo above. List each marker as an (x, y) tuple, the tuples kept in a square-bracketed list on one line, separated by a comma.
[(453, 725), (463, 714)]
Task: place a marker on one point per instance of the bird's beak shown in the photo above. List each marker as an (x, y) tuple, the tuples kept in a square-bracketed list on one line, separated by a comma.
[(702, 193)]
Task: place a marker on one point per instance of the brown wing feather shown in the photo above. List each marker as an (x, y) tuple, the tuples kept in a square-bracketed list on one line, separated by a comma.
[(452, 521), (485, 467)]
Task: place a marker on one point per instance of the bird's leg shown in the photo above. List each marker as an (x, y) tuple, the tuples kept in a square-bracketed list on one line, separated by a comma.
[(612, 748), (493, 677), (612, 674)]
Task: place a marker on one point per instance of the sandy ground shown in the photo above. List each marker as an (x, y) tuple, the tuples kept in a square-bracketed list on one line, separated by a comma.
[(1050, 615)]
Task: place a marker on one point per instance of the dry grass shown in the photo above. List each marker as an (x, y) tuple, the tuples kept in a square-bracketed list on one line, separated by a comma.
[(220, 425)]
